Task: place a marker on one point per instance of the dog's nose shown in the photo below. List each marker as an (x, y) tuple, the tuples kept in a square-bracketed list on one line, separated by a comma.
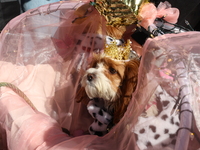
[(90, 76)]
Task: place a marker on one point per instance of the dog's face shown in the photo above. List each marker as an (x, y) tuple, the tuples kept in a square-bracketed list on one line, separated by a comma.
[(112, 80), (104, 78)]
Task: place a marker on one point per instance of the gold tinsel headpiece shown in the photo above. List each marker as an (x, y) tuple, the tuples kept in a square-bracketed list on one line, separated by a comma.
[(118, 52), (118, 12)]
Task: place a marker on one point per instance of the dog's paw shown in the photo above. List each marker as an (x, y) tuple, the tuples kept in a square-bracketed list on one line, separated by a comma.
[(97, 128), (98, 113)]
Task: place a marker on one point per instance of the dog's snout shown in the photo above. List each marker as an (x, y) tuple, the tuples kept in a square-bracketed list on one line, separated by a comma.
[(90, 76)]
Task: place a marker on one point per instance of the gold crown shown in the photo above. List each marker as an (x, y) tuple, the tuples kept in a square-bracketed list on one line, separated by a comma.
[(118, 52)]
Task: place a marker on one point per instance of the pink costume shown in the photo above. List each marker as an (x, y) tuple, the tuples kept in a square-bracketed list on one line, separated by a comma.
[(40, 54)]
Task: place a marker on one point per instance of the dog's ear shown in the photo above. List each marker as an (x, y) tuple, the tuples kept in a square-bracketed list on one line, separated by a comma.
[(81, 96), (130, 77), (128, 87)]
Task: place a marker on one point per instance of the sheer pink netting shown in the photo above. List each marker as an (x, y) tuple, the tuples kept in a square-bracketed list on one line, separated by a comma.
[(39, 55)]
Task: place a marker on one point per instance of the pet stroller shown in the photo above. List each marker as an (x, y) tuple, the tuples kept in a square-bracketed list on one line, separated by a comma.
[(39, 56)]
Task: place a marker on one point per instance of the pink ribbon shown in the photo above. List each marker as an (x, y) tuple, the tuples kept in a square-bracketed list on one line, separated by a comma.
[(148, 13)]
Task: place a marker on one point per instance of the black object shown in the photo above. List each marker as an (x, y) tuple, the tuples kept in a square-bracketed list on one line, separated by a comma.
[(140, 35), (66, 131), (8, 10), (189, 10)]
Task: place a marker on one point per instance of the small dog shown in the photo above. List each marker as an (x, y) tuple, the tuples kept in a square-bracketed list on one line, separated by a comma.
[(107, 87)]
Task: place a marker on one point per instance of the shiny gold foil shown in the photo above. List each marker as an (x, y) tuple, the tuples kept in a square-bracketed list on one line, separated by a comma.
[(119, 12), (134, 4)]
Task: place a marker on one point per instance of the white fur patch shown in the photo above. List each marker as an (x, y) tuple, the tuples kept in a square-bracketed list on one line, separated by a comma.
[(158, 132), (104, 118), (100, 86)]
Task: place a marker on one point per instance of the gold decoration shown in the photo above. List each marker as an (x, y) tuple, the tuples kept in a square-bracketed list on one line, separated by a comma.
[(118, 12), (115, 12), (134, 4), (118, 52)]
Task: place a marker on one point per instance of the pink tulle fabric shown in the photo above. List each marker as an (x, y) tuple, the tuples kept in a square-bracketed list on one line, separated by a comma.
[(148, 13), (39, 55)]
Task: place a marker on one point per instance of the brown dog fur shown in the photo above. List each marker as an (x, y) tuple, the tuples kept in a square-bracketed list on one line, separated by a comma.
[(128, 86)]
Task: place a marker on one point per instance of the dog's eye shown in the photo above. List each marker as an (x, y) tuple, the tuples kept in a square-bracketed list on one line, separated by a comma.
[(112, 70)]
